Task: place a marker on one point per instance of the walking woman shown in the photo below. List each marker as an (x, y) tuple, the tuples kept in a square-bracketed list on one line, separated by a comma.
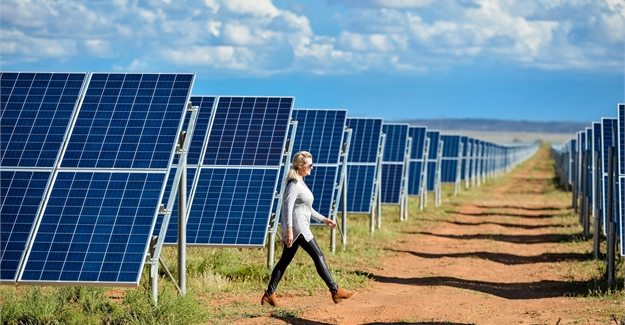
[(295, 218)]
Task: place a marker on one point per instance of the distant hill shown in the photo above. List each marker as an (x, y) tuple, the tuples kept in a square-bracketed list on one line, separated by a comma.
[(494, 125)]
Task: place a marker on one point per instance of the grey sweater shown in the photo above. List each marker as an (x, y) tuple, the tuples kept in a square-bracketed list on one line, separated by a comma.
[(297, 210)]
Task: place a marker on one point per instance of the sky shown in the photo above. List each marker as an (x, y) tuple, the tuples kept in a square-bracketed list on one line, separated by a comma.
[(536, 60)]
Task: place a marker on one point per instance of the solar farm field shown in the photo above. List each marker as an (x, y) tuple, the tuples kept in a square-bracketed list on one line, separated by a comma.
[(508, 252)]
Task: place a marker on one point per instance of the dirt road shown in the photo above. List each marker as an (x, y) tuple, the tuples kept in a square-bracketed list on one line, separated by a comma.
[(507, 259)]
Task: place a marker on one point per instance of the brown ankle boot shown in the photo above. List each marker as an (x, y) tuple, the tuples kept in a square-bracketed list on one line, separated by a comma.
[(267, 299), (341, 294)]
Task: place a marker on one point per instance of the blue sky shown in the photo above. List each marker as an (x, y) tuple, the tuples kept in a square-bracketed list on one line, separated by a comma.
[(543, 60)]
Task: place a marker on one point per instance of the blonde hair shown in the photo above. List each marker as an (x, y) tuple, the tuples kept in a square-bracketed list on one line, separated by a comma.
[(299, 161)]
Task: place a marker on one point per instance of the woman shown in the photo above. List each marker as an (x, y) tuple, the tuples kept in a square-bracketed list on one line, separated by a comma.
[(295, 218)]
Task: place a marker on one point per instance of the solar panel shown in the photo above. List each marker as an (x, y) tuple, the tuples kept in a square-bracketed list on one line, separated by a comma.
[(21, 193), (36, 109), (95, 228), (234, 193), (362, 163), (417, 153), (608, 129), (248, 131), (596, 154), (434, 137), (365, 139), (393, 161), (231, 206), (321, 132), (449, 161), (620, 220), (104, 199)]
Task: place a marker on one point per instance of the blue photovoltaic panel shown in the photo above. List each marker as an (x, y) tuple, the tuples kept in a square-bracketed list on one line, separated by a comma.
[(365, 139), (361, 182), (596, 154), (395, 143), (128, 121), (233, 195), (414, 180), (434, 137), (418, 135), (609, 127), (95, 228), (391, 183), (97, 221), (231, 206), (393, 161), (21, 193), (362, 163), (248, 131), (35, 111), (320, 132), (322, 183), (449, 160), (417, 152)]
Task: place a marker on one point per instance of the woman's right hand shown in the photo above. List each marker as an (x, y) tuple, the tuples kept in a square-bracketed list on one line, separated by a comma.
[(289, 237)]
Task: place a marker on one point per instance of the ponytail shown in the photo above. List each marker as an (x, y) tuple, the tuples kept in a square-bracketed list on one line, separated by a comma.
[(299, 160)]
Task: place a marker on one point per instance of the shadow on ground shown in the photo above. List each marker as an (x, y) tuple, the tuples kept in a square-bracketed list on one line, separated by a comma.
[(301, 321), (508, 259), (515, 239), (524, 290)]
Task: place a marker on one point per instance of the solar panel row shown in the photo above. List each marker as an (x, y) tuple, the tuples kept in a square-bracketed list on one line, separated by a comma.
[(87, 162), (584, 164)]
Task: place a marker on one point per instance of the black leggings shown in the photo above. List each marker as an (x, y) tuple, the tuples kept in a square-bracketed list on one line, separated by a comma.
[(288, 253)]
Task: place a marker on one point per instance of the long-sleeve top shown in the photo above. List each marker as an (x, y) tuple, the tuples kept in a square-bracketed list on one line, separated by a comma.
[(297, 210)]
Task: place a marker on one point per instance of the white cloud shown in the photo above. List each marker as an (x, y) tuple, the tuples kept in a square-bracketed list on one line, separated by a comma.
[(97, 47), (16, 43), (258, 37)]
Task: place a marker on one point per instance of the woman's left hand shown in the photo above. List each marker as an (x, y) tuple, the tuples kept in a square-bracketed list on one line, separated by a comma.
[(330, 223)]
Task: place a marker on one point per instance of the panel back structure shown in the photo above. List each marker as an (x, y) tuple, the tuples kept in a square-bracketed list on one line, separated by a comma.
[(393, 163), (620, 220), (608, 139), (597, 188), (96, 221), (362, 166), (235, 187), (36, 110)]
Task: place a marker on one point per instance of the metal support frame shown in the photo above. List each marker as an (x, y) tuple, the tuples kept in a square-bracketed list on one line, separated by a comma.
[(611, 248), (423, 186), (180, 180), (403, 208), (437, 175), (273, 229), (596, 234), (341, 191), (376, 199), (458, 169), (469, 165)]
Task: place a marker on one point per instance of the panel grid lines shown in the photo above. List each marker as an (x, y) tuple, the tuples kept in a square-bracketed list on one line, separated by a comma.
[(36, 109)]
